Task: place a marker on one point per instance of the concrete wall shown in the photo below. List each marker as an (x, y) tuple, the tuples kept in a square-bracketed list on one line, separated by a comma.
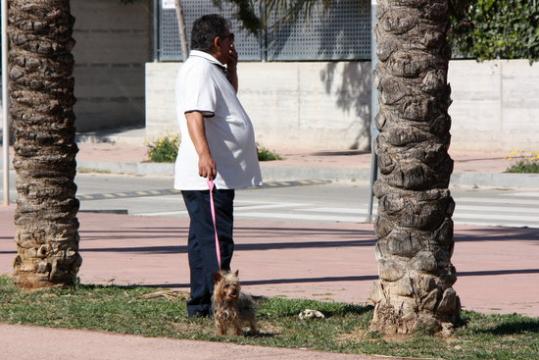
[(113, 44), (325, 106), (313, 106), (495, 105)]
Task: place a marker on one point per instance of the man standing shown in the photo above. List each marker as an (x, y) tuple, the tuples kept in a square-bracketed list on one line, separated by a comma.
[(217, 144)]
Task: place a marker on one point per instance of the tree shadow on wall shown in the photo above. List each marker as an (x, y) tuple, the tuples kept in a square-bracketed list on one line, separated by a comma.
[(350, 83)]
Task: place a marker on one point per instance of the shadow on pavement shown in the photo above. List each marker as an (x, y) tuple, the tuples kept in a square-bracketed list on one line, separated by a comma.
[(182, 249), (497, 234), (498, 272), (278, 281), (348, 278)]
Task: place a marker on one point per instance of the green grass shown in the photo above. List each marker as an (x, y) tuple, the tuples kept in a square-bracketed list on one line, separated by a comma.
[(130, 310), (524, 167), (266, 154)]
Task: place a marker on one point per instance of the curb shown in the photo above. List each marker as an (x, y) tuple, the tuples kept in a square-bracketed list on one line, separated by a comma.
[(495, 180), (272, 173), (131, 168), (269, 172)]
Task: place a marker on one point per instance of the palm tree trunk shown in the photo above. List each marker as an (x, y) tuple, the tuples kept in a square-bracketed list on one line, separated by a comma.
[(414, 226), (41, 93)]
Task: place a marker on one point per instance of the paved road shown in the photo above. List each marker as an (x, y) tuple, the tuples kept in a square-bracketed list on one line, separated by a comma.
[(316, 201)]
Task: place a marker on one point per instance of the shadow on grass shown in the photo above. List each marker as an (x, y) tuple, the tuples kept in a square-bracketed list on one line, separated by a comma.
[(513, 327), (259, 335), (90, 287), (351, 309)]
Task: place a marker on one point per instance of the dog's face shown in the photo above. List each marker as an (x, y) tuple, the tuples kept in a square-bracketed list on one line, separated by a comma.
[(226, 286)]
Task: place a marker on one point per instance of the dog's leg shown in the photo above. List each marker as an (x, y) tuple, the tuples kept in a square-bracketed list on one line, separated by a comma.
[(221, 328), (237, 327), (252, 325)]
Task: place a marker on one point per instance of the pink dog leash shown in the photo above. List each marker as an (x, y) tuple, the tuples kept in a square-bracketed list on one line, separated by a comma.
[(211, 186)]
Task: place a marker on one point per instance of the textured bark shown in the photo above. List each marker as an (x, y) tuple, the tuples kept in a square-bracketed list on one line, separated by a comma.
[(41, 93), (414, 226)]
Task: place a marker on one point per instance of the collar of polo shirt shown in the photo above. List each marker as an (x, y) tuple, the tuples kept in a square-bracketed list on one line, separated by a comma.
[(208, 57)]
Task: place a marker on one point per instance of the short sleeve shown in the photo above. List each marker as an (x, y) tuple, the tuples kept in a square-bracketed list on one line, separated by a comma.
[(198, 91)]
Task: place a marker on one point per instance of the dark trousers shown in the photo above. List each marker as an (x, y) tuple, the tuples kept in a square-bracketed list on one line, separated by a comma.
[(201, 244)]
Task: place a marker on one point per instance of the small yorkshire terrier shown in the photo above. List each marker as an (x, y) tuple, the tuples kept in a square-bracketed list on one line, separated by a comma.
[(231, 307)]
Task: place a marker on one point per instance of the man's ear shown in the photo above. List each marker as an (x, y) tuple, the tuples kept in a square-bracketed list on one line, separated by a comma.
[(216, 42), (237, 273)]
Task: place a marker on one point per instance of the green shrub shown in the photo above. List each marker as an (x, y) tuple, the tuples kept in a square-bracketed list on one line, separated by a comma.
[(528, 162), (164, 149), (266, 154), (491, 29), (524, 166)]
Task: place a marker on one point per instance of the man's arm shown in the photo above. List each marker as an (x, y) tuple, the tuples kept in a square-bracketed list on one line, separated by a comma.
[(206, 165)]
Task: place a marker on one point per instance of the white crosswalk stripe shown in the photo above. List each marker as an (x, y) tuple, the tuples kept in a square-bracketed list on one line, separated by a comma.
[(480, 212), (500, 210), (526, 194), (497, 201), (301, 216)]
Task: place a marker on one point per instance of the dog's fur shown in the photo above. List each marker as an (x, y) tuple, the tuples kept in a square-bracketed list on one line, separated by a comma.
[(231, 308)]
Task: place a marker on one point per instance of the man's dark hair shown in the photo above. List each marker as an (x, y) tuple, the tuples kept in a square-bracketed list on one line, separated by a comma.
[(205, 29)]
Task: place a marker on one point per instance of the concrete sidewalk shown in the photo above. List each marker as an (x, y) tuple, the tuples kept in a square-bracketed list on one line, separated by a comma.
[(472, 169), (497, 268), (60, 344)]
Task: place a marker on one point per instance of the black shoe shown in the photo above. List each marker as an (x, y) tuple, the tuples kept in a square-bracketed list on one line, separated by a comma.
[(198, 310)]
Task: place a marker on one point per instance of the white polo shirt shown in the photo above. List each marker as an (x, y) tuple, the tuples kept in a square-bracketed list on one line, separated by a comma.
[(202, 86)]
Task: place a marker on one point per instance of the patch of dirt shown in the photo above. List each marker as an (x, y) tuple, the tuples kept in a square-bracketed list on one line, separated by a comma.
[(363, 335), (185, 327), (167, 294), (267, 328), (355, 336)]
